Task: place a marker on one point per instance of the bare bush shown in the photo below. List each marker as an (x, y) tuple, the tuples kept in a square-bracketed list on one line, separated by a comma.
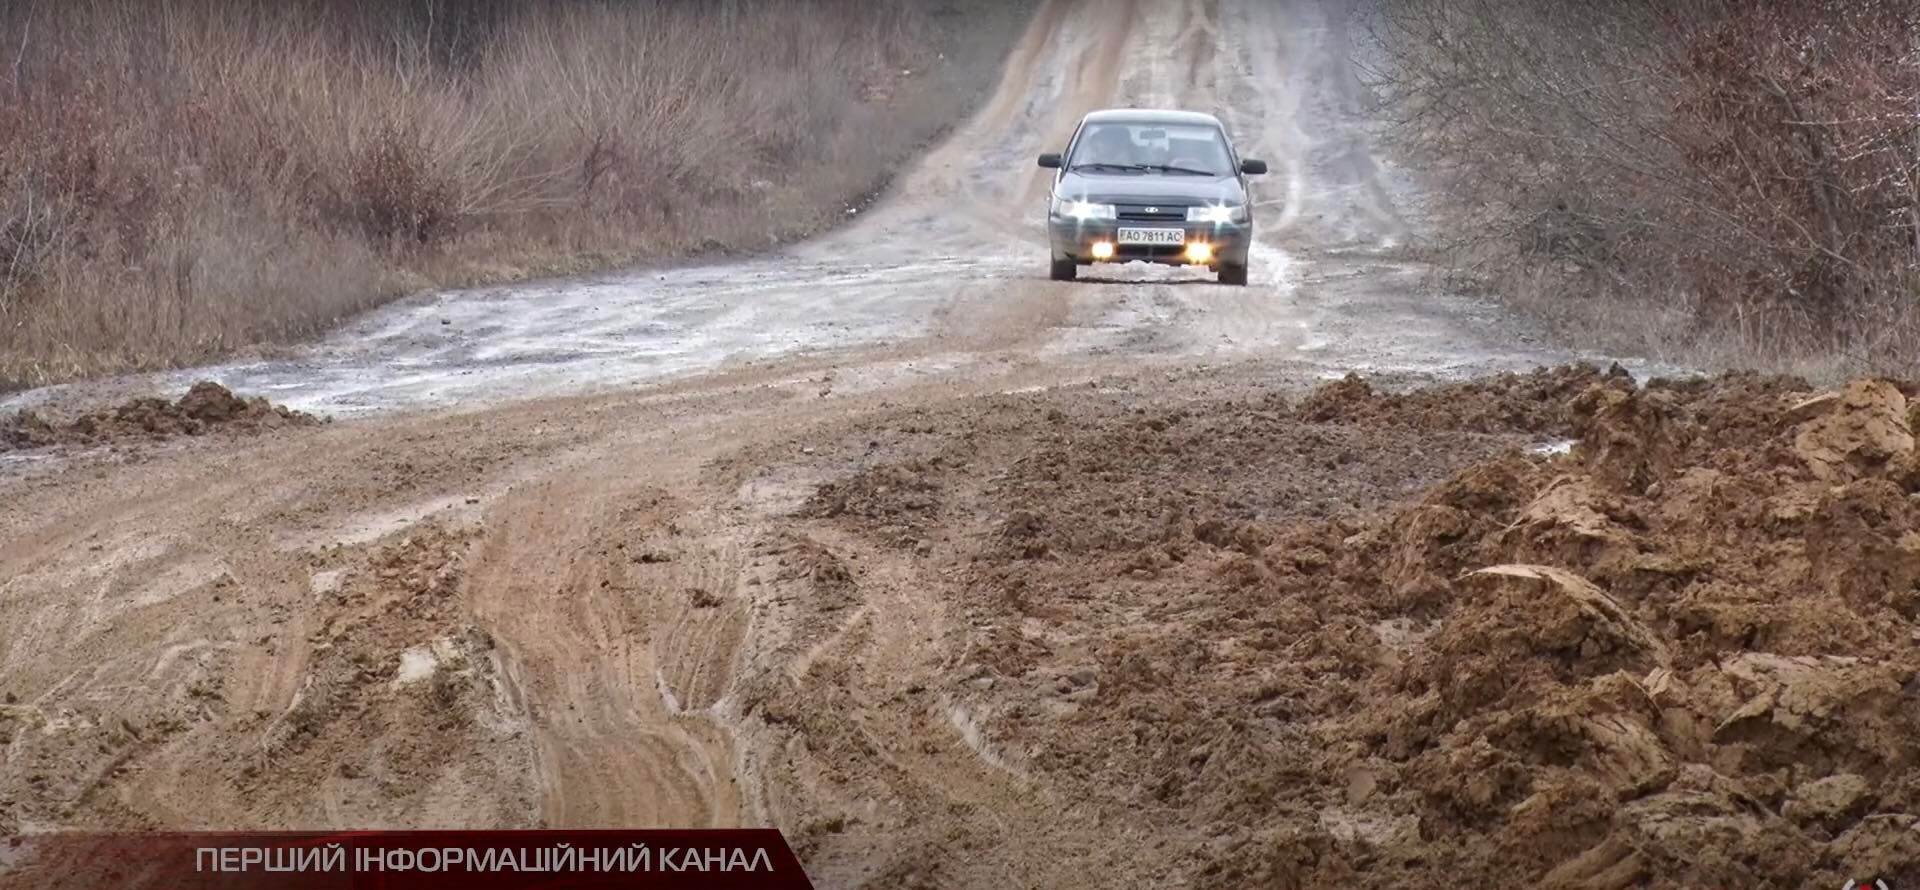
[(186, 178), (396, 194), (1681, 175)]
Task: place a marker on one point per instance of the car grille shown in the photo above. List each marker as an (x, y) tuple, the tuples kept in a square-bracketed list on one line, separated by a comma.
[(1149, 251), (1155, 213)]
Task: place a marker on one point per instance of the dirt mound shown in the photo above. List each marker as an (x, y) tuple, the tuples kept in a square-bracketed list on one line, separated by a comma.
[(1712, 674), (1682, 654), (1533, 402), (206, 407), (1710, 680)]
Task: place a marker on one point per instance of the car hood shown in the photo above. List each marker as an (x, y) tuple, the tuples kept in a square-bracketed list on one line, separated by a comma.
[(1149, 188)]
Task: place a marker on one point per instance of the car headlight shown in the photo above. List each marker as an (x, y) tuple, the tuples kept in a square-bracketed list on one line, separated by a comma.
[(1218, 213), (1082, 209)]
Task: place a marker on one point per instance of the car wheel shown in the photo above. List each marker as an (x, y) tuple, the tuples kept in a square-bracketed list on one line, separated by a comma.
[(1064, 270), (1232, 274)]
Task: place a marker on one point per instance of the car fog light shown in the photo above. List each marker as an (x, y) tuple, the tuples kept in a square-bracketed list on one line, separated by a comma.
[(1103, 250), (1199, 252)]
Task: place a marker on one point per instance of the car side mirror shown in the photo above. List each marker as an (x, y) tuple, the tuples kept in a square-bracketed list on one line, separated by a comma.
[(1051, 160), (1252, 167)]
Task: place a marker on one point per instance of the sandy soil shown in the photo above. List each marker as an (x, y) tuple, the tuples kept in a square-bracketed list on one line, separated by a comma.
[(965, 578)]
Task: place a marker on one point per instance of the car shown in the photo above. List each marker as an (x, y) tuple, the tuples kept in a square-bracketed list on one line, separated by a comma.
[(1150, 185)]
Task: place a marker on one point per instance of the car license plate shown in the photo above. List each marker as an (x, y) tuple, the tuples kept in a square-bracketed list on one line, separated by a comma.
[(1152, 236)]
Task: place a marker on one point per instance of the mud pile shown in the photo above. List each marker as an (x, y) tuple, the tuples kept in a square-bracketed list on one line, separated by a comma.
[(206, 407), (1683, 654), (1686, 653), (1534, 402)]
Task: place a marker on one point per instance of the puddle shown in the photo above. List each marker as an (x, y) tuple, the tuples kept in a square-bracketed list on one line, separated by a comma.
[(1554, 448)]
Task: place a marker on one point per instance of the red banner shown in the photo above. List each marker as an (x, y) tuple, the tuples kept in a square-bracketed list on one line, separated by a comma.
[(404, 860)]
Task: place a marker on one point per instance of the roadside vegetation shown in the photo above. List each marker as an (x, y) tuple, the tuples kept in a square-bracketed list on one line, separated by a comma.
[(183, 179), (1712, 181)]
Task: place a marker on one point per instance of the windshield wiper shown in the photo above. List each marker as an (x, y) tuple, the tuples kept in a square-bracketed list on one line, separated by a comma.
[(1110, 166), (1163, 168)]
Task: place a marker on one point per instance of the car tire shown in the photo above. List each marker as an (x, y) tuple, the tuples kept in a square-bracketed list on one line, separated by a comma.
[(1064, 270), (1233, 274)]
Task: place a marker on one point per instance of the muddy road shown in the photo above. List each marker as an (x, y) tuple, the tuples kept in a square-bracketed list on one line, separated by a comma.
[(949, 267), (948, 570)]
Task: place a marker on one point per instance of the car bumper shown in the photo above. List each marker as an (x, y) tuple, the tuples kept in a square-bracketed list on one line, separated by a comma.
[(1075, 239)]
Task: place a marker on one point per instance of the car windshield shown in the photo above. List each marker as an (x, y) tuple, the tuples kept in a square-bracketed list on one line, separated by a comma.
[(1150, 148)]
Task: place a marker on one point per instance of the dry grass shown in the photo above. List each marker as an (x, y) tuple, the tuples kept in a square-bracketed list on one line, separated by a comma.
[(1711, 181), (185, 178)]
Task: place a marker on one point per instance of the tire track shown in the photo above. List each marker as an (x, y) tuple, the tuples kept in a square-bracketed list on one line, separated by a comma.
[(599, 650)]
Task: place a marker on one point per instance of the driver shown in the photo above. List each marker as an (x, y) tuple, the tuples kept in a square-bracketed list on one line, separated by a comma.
[(1111, 145)]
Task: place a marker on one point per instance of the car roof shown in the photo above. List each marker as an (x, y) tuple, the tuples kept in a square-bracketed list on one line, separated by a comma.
[(1152, 116)]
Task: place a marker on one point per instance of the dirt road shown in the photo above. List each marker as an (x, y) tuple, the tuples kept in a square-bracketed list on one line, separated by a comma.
[(944, 267), (806, 574)]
